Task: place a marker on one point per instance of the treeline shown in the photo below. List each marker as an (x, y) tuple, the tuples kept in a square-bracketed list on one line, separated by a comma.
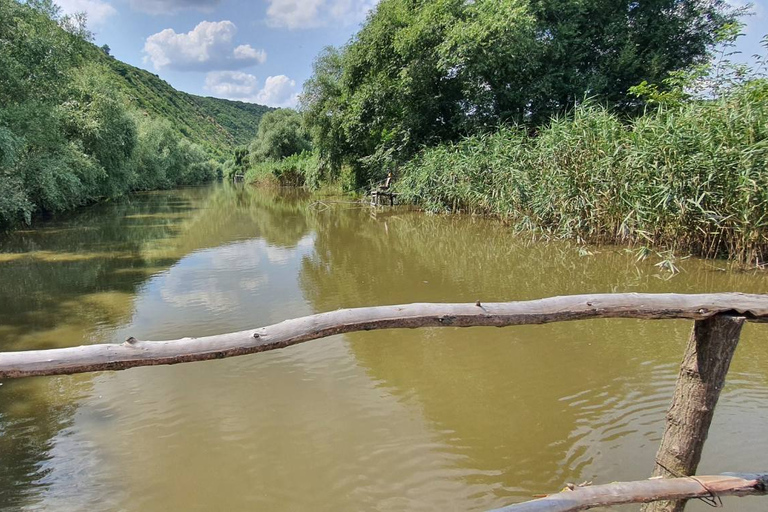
[(281, 153), (601, 121), (68, 135), (422, 72)]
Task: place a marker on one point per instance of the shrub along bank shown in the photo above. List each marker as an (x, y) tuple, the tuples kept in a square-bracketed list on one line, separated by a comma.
[(690, 177), (78, 126)]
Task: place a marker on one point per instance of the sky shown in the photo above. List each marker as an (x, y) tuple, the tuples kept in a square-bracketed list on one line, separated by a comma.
[(260, 51)]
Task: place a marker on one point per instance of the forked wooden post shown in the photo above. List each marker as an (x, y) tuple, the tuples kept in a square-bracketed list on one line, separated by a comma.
[(702, 376)]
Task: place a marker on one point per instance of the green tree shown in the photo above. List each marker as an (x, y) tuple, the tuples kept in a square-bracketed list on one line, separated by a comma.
[(322, 105), (280, 134), (421, 72), (96, 116)]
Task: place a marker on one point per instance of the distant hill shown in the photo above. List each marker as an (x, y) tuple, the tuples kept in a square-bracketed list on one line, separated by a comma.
[(216, 124)]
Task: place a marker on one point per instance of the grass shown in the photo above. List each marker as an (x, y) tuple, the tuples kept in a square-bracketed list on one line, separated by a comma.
[(687, 179)]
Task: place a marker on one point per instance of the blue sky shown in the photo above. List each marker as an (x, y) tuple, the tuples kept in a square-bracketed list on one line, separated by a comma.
[(259, 50)]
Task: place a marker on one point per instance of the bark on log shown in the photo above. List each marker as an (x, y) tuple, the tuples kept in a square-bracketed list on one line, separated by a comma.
[(702, 377), (622, 493), (134, 353)]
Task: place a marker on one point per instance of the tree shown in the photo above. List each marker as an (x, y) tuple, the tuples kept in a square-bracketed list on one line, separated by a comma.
[(280, 134), (421, 72), (322, 104)]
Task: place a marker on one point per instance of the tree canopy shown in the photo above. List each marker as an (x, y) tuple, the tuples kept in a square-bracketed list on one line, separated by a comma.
[(421, 72), (280, 135)]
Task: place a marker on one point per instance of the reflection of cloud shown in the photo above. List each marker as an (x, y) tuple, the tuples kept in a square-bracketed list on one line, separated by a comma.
[(306, 242), (254, 283), (212, 300), (226, 278), (278, 255)]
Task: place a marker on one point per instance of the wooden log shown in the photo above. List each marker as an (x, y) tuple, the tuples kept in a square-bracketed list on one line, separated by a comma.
[(134, 353), (646, 491), (702, 377)]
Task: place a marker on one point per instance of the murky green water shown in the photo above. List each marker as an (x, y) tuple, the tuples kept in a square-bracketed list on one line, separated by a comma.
[(441, 419)]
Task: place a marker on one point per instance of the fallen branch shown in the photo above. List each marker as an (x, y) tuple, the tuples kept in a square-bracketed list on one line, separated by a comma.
[(645, 491), (134, 353)]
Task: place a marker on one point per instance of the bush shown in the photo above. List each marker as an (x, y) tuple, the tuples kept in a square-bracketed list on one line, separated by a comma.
[(689, 178)]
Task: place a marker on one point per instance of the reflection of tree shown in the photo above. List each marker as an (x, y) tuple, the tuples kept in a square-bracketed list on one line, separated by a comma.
[(501, 394), (32, 412), (73, 281)]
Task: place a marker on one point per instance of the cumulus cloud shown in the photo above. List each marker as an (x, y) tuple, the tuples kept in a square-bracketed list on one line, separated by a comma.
[(247, 52), (233, 85), (208, 46), (296, 14), (97, 11), (278, 91), (173, 6)]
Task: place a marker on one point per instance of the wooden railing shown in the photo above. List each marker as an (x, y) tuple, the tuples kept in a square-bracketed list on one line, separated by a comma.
[(718, 319)]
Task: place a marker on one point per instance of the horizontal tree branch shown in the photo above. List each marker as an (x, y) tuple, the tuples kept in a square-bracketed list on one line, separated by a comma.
[(134, 353), (645, 491)]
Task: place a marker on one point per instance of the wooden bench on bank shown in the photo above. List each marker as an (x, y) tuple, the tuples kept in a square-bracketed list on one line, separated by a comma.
[(381, 195), (718, 320)]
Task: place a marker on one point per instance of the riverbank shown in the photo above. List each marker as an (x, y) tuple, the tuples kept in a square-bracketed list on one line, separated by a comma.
[(684, 178), (692, 179)]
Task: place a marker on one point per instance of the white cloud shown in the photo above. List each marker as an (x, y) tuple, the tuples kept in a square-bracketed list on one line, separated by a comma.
[(296, 14), (208, 46), (173, 6), (248, 52), (233, 85), (97, 11), (278, 91)]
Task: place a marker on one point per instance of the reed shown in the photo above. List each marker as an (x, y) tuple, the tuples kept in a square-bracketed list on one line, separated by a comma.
[(300, 170), (690, 178)]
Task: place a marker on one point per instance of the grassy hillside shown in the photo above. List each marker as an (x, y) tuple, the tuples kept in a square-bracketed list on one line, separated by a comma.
[(216, 124), (78, 126), (239, 118)]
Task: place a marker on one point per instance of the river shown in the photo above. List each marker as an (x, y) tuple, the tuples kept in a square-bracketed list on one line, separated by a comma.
[(422, 420)]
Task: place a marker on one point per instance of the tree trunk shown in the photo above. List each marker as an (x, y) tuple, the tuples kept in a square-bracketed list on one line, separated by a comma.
[(702, 376)]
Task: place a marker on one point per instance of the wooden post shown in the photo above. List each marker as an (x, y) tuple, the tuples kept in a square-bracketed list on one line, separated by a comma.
[(702, 375)]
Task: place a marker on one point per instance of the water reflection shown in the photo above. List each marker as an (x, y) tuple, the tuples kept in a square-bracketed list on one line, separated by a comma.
[(395, 420)]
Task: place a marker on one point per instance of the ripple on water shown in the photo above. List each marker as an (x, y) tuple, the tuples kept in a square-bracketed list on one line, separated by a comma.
[(614, 421)]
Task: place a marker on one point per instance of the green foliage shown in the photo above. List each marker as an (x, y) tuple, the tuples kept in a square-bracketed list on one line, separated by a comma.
[(166, 160), (280, 135), (215, 124), (70, 133), (423, 72), (95, 115), (297, 170), (689, 178), (239, 119)]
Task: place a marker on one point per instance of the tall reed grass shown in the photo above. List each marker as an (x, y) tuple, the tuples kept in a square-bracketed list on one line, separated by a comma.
[(300, 170), (691, 178)]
